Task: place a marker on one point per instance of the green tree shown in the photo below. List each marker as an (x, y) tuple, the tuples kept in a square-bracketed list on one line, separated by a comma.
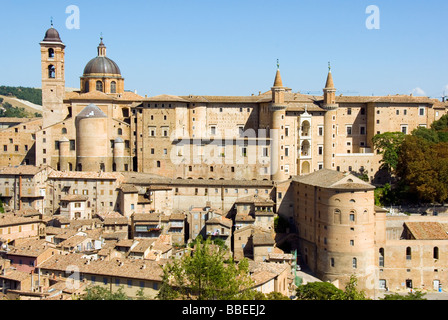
[(423, 167), (388, 144), (205, 274), (351, 292), (429, 135), (318, 291), (101, 293), (415, 295)]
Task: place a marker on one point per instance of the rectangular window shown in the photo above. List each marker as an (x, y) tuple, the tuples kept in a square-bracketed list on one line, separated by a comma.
[(320, 131), (421, 111), (349, 130), (72, 145)]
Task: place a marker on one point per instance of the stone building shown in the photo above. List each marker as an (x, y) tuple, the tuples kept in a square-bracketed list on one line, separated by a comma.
[(24, 187), (270, 136), (153, 158), (17, 141), (342, 233)]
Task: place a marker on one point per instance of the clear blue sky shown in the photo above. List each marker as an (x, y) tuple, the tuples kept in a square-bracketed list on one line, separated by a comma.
[(227, 47)]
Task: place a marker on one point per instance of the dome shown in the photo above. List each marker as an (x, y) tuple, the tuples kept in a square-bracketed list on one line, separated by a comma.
[(101, 65), (91, 111), (52, 35)]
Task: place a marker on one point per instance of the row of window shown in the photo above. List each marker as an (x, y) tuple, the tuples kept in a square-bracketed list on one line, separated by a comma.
[(16, 148), (435, 255)]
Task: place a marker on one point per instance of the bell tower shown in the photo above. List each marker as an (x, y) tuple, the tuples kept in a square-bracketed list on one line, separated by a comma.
[(52, 52)]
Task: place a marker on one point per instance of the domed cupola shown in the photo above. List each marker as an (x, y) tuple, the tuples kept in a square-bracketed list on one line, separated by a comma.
[(52, 35), (102, 74)]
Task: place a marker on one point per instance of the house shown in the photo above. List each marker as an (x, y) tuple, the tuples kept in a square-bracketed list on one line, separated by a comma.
[(132, 275), (73, 206), (14, 227), (28, 255), (219, 227), (270, 277), (253, 242), (115, 225), (24, 187)]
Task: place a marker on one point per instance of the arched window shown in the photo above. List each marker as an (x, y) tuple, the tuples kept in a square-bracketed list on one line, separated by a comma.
[(158, 164), (86, 86), (64, 130), (352, 216), (381, 257), (337, 216), (113, 87), (408, 253), (355, 263), (51, 53), (99, 86), (51, 71), (120, 131), (436, 253)]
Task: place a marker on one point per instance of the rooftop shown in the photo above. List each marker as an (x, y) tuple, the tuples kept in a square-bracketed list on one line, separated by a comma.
[(331, 179)]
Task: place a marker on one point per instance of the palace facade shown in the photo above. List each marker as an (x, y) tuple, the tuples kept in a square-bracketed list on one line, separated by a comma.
[(250, 158)]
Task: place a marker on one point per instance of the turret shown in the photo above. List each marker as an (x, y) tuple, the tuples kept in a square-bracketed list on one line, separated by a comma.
[(329, 104), (278, 113)]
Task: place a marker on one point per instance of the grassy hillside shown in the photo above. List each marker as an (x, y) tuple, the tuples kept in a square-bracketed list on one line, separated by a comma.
[(29, 94)]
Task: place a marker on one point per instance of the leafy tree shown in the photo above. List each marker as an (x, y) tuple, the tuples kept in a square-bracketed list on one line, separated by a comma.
[(9, 111), (388, 144), (441, 124), (429, 135), (351, 292), (205, 274), (318, 291), (415, 295), (327, 291), (423, 166), (101, 293)]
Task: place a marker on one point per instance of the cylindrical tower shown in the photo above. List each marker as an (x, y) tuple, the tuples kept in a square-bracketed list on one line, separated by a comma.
[(118, 153), (64, 153), (347, 241), (92, 141)]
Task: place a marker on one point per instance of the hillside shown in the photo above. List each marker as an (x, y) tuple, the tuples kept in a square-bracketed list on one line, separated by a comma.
[(20, 102), (32, 95)]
